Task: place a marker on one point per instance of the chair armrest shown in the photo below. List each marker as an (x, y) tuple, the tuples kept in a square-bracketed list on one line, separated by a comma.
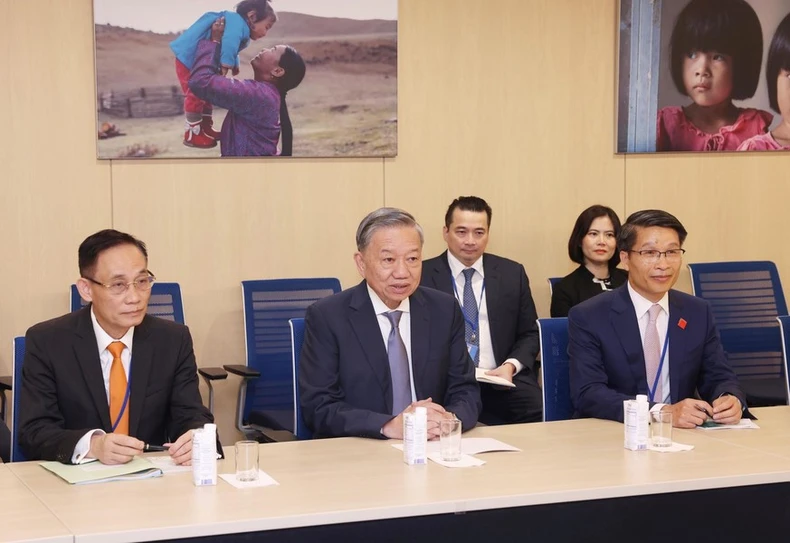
[(6, 383), (242, 371), (213, 374)]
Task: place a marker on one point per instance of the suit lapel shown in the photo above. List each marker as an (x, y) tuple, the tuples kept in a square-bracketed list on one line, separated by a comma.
[(365, 324), (420, 339), (86, 350), (623, 318), (441, 274), (142, 361), (493, 286), (677, 345)]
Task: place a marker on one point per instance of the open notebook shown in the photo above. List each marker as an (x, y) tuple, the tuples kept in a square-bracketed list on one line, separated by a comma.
[(480, 375), (96, 472)]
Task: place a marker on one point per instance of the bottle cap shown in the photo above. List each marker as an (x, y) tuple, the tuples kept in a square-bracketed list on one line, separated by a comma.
[(641, 397)]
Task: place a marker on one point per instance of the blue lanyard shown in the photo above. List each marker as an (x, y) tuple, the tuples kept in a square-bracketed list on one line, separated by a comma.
[(660, 366), (472, 325), (125, 398)]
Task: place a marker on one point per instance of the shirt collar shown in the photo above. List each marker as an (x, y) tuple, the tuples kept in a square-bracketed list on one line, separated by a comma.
[(103, 339), (380, 307), (642, 304), (457, 267)]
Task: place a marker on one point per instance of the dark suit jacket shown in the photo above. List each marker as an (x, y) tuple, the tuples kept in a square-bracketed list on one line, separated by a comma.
[(344, 374), (63, 394), (607, 363), (578, 287), (511, 311)]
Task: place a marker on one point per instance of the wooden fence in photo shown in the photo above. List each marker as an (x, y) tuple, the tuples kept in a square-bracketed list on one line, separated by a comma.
[(162, 101)]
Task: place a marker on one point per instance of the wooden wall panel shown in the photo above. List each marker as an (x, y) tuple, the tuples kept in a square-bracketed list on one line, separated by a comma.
[(54, 192), (511, 101)]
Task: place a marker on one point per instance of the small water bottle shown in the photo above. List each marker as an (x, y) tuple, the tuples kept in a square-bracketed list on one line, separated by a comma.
[(204, 455), (415, 437)]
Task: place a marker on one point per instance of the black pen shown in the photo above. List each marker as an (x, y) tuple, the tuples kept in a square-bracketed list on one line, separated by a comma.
[(154, 448)]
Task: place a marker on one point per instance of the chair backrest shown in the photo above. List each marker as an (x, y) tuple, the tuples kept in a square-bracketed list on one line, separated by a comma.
[(165, 302), (746, 298), (555, 369), (553, 282), (19, 357), (268, 305), (297, 338), (784, 328)]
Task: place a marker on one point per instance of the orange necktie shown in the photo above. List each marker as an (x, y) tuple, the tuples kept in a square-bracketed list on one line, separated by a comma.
[(118, 389)]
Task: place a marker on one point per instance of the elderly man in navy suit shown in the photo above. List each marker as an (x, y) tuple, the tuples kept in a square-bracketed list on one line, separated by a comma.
[(644, 338), (378, 350)]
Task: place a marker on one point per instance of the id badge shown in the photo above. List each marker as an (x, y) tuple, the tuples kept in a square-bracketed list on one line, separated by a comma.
[(472, 350)]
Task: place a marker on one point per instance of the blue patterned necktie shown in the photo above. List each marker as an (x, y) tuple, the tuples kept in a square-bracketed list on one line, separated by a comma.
[(399, 365), (472, 332)]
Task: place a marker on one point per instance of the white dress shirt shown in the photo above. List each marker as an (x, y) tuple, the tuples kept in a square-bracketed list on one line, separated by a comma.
[(487, 360), (103, 340), (404, 327), (641, 306)]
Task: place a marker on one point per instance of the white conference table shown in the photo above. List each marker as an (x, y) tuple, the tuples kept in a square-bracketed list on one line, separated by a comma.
[(352, 480), (23, 517)]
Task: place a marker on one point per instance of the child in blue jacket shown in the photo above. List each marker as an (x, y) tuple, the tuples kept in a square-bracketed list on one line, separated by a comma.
[(251, 21)]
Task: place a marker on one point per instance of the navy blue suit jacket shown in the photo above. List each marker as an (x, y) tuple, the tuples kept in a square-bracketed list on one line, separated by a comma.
[(344, 373), (511, 311), (607, 363)]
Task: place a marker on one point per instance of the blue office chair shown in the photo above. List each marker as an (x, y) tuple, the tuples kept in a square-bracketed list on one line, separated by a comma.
[(784, 328), (166, 303), (266, 393), (553, 283), (555, 369), (297, 338), (18, 358), (746, 298)]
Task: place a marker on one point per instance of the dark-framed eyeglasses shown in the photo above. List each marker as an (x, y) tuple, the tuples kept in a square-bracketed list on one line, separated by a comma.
[(654, 255)]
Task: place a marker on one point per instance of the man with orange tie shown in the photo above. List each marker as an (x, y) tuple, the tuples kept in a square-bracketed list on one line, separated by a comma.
[(103, 382)]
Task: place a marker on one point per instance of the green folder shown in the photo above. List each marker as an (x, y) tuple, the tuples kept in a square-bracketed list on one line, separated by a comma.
[(96, 472)]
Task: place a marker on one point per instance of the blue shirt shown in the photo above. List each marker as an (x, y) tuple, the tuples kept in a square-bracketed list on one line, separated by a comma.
[(235, 38)]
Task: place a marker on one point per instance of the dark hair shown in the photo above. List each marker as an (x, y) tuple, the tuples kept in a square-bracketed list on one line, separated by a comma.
[(262, 9), (582, 226), (467, 203), (645, 219), (730, 27), (778, 59), (294, 67), (97, 243)]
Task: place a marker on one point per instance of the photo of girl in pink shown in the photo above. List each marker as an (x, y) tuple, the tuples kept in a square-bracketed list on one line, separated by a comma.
[(716, 53), (777, 77)]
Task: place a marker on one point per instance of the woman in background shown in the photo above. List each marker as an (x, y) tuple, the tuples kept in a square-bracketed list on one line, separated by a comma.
[(593, 245)]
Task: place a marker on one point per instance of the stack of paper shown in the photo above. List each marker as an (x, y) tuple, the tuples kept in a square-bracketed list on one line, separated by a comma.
[(96, 472)]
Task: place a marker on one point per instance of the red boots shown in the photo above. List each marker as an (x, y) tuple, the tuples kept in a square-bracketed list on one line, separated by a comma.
[(197, 136)]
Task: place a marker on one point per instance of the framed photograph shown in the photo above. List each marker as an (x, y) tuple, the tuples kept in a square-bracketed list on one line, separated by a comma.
[(246, 78), (703, 75)]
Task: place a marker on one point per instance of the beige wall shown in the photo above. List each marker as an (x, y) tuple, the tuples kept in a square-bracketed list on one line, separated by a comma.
[(512, 100)]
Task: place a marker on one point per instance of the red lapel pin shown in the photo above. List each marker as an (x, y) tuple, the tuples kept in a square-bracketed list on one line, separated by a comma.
[(682, 324)]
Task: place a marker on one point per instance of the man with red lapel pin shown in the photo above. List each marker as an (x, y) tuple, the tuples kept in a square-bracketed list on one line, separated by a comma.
[(645, 338)]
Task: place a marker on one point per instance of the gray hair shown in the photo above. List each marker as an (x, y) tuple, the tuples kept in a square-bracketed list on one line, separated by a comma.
[(385, 217)]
